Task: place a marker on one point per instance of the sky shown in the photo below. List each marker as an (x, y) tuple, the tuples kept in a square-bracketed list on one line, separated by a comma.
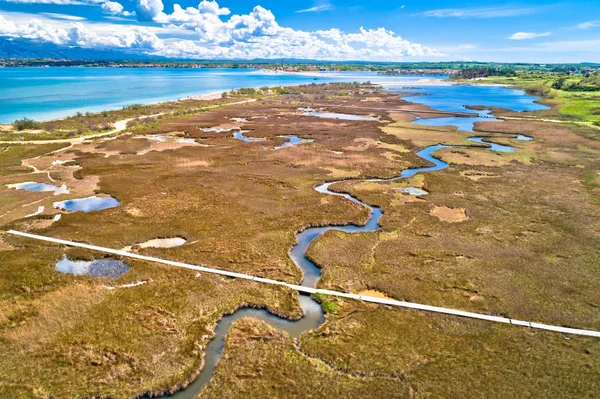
[(538, 31)]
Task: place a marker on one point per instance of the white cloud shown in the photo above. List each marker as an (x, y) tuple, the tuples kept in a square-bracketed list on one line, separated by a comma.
[(114, 8), (321, 6), (63, 16), (208, 31), (589, 24), (78, 34), (211, 7), (7, 27), (147, 10), (480, 12), (528, 35)]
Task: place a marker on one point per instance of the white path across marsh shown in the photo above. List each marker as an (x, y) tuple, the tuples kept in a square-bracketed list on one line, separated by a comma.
[(308, 290)]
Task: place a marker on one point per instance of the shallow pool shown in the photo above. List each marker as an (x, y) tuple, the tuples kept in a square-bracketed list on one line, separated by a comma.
[(292, 140), (240, 136), (96, 268), (39, 187), (88, 204)]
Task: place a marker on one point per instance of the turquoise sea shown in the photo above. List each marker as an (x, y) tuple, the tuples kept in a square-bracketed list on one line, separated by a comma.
[(48, 93)]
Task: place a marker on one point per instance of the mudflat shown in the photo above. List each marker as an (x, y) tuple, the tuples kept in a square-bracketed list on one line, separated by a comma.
[(513, 234)]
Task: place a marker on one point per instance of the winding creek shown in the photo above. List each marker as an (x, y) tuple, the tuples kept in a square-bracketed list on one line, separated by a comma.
[(313, 313)]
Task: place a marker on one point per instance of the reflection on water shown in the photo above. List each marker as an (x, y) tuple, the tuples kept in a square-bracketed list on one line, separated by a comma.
[(462, 123), (95, 268), (240, 136), (413, 191), (87, 204), (39, 187), (292, 140), (457, 98)]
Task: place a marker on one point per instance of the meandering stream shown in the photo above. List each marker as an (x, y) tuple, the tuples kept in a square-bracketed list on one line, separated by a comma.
[(313, 313)]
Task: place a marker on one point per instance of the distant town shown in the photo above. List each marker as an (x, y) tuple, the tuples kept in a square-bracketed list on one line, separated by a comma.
[(291, 66)]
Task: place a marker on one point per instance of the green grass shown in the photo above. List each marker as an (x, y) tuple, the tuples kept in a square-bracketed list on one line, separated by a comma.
[(329, 304)]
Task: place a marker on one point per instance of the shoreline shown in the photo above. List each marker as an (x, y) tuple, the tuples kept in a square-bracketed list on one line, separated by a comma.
[(382, 80), (215, 95)]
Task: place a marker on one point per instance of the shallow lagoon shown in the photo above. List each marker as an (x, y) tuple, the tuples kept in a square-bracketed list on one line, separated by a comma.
[(87, 204), (240, 136), (454, 98), (48, 93), (462, 123), (95, 268)]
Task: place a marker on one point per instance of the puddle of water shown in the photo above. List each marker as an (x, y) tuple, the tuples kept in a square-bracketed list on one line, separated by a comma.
[(95, 268), (87, 204), (161, 243), (490, 145), (413, 191), (292, 140), (39, 187), (240, 136), (522, 137), (462, 123), (239, 120), (332, 115)]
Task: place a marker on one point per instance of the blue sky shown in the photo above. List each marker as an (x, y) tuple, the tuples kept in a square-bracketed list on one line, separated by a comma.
[(524, 31)]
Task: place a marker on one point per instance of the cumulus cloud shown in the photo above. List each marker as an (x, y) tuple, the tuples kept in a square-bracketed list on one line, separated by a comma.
[(147, 10), (77, 34), (114, 8), (211, 7), (209, 31), (528, 35)]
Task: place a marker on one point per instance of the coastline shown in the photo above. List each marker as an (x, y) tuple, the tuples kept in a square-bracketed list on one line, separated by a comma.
[(70, 106), (215, 95)]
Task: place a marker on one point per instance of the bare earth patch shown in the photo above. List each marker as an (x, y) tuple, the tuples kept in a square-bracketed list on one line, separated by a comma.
[(374, 294), (450, 215)]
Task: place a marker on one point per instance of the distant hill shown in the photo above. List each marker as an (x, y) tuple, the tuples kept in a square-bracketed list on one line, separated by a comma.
[(23, 48)]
